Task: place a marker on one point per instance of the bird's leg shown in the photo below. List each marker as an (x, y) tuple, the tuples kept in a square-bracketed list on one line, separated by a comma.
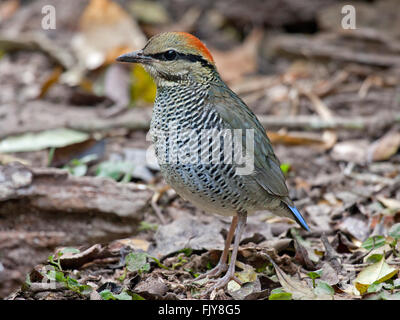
[(230, 274), (222, 265)]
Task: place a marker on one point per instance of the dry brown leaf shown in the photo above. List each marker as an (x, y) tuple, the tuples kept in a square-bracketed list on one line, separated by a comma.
[(350, 151), (75, 260), (298, 289), (376, 273), (6, 158), (50, 81), (134, 243), (385, 147), (65, 154), (392, 204), (8, 8), (106, 31), (295, 138), (235, 63), (278, 93), (330, 136), (324, 141), (299, 69)]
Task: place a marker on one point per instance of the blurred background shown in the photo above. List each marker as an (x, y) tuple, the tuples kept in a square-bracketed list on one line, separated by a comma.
[(327, 94)]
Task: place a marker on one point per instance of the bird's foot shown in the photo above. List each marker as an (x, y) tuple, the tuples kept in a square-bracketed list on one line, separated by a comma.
[(214, 272), (221, 283)]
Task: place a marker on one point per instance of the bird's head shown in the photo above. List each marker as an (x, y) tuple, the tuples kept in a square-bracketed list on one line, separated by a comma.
[(172, 57)]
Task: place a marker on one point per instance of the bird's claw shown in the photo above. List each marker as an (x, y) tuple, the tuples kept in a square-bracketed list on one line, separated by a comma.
[(215, 272), (221, 283)]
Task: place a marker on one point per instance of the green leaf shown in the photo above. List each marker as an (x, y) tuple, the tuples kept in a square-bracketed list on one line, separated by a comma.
[(262, 269), (88, 158), (51, 275), (78, 171), (59, 276), (323, 288), (42, 140), (388, 285), (394, 231), (279, 294), (85, 289), (54, 263), (28, 280), (278, 290), (78, 167), (50, 156), (375, 273), (107, 295), (69, 250), (285, 167), (315, 274), (135, 296), (123, 296), (374, 242), (147, 226), (72, 283), (159, 264), (187, 251), (137, 261), (374, 258), (114, 169), (384, 295)]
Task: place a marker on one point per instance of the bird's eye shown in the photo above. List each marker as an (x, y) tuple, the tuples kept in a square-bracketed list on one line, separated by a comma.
[(170, 55)]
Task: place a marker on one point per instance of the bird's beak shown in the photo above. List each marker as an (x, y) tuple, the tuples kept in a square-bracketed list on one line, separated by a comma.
[(134, 57)]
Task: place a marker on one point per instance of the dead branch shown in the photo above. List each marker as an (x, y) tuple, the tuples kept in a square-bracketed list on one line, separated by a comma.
[(44, 208), (316, 123), (41, 115), (38, 42), (50, 189), (317, 48)]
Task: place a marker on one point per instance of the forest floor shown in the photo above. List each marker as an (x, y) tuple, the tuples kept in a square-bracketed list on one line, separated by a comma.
[(84, 211)]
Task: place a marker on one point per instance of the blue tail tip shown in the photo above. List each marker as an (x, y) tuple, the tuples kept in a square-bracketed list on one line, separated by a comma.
[(299, 218)]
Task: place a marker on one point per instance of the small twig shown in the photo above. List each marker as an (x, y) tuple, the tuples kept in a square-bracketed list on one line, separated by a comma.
[(371, 178), (361, 257), (154, 199)]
